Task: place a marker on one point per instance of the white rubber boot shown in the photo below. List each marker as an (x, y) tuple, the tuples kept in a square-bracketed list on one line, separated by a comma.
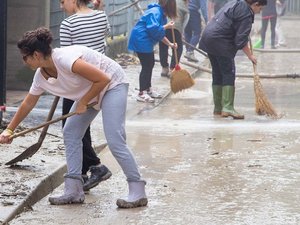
[(137, 196), (73, 192)]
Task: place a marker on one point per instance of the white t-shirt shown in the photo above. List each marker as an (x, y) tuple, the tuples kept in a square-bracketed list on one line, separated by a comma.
[(73, 86)]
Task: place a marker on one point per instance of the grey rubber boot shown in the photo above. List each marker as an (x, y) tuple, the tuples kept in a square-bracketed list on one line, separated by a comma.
[(217, 95), (73, 191), (137, 196), (227, 103)]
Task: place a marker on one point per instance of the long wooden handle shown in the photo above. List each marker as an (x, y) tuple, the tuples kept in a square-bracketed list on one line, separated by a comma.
[(254, 65), (174, 49), (196, 49), (47, 123), (49, 117)]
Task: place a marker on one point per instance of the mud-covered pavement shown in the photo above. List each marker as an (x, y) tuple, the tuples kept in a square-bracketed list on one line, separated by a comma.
[(199, 169)]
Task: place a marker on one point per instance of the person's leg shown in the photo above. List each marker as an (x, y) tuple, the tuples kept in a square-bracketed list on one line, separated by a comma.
[(73, 132), (188, 34), (228, 87), (279, 33), (91, 162), (178, 39), (113, 115), (216, 84), (89, 156), (264, 26), (273, 21), (67, 105), (195, 30), (196, 27), (147, 62), (163, 57)]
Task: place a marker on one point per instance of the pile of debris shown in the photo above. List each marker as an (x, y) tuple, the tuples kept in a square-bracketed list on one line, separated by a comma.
[(125, 59)]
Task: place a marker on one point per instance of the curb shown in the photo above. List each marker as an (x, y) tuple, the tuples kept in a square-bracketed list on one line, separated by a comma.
[(46, 186)]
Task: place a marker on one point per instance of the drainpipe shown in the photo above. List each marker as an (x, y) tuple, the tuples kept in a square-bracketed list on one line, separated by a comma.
[(3, 22)]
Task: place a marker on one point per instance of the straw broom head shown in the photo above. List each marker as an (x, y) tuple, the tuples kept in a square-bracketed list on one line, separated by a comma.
[(180, 80), (262, 105)]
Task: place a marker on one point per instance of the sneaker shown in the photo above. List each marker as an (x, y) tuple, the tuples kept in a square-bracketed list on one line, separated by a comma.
[(191, 57), (98, 174), (144, 98), (165, 72), (85, 178), (154, 94)]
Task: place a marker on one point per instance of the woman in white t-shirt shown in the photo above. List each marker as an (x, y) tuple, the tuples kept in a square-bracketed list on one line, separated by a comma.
[(85, 76)]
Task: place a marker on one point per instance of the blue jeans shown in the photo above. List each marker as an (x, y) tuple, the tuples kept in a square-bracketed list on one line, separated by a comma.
[(113, 107), (192, 30)]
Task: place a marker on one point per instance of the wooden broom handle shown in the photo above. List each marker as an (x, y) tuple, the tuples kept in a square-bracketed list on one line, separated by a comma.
[(251, 50), (47, 123), (174, 49)]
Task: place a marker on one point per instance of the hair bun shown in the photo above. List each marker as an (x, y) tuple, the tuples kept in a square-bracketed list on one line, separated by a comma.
[(44, 35)]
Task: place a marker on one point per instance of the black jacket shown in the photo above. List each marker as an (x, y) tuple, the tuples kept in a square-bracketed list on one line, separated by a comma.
[(228, 30)]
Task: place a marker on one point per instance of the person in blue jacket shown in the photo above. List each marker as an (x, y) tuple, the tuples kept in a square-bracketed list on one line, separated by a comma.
[(149, 30), (226, 33)]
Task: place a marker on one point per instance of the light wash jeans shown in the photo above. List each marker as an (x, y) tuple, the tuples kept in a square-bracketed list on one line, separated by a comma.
[(113, 107), (192, 30)]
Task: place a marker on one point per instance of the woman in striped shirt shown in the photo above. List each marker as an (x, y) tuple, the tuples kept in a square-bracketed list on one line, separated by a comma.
[(85, 27)]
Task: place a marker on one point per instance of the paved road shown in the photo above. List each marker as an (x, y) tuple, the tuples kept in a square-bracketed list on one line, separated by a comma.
[(201, 169)]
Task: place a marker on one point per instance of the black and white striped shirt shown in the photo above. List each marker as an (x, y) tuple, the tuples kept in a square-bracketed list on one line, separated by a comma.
[(85, 29)]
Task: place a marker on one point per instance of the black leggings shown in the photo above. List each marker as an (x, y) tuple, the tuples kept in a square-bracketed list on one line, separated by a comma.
[(147, 62), (163, 49), (89, 156)]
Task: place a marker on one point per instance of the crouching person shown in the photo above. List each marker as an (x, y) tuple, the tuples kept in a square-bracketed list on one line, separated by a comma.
[(84, 76)]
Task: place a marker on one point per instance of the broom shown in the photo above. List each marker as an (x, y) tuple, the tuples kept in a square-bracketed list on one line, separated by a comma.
[(180, 78), (262, 105)]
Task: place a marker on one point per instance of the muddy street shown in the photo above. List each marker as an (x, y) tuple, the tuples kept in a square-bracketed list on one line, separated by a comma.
[(199, 169)]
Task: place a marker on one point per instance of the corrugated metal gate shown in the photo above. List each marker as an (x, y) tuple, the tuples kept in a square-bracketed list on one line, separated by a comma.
[(293, 7)]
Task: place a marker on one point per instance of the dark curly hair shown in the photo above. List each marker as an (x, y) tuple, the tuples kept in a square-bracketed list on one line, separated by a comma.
[(39, 40)]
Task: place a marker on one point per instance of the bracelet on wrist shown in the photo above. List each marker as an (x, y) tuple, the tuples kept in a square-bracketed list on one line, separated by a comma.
[(10, 131)]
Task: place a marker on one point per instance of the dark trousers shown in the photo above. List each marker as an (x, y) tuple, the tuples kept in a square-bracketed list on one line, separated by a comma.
[(264, 27), (223, 70), (163, 49), (147, 62), (89, 156)]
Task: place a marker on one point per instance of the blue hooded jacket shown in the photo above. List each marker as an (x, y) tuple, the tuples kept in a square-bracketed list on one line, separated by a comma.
[(149, 30)]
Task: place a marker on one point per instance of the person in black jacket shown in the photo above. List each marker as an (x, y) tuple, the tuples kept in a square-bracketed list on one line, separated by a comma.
[(226, 33), (218, 4)]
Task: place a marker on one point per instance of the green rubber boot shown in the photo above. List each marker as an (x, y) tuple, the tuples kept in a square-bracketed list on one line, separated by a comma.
[(217, 95), (227, 103)]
